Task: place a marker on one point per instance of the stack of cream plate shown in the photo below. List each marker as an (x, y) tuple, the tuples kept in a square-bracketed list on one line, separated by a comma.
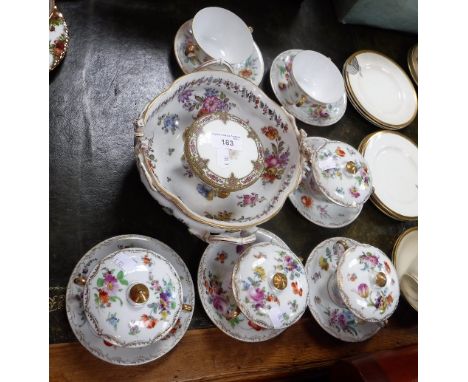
[(413, 62), (392, 159), (380, 90)]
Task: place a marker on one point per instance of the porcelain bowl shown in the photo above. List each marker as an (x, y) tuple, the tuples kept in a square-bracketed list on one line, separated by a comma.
[(159, 148)]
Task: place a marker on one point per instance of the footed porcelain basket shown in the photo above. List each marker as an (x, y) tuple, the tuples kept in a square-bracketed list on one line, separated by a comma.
[(160, 138)]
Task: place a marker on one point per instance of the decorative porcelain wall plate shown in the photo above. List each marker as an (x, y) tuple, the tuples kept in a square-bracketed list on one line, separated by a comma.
[(381, 89), (341, 174), (314, 206), (159, 149), (133, 297), (314, 114), (251, 69), (270, 286), (413, 62), (58, 38), (368, 283), (404, 253), (215, 290), (336, 319), (393, 161), (83, 330)]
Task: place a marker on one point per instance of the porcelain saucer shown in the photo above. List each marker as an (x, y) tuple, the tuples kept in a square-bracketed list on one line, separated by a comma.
[(314, 206), (82, 329), (58, 38), (251, 69), (335, 319), (312, 114), (215, 290)]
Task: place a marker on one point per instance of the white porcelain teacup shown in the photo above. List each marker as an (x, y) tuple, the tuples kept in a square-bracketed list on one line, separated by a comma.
[(220, 35), (314, 79), (409, 283)]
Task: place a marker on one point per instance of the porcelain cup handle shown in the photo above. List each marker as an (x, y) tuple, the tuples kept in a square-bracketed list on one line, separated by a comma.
[(142, 164), (215, 62)]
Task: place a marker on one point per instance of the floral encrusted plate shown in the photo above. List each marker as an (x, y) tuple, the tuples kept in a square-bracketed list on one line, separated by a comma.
[(311, 113), (335, 319), (83, 330), (215, 291), (270, 286), (314, 206), (251, 69), (58, 38), (133, 297), (341, 173), (368, 283)]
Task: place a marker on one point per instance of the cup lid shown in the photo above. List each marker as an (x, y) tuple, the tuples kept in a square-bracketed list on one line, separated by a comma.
[(368, 283), (341, 173), (224, 151), (270, 286), (133, 297)]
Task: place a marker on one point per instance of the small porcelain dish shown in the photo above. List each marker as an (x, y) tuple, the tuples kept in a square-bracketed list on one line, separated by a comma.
[(405, 253), (215, 289), (393, 161), (314, 206), (100, 305), (309, 86), (251, 69), (270, 286), (380, 90), (58, 37), (220, 34), (413, 62), (224, 152), (353, 288), (159, 150)]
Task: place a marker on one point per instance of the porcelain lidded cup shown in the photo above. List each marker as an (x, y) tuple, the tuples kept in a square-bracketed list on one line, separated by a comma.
[(367, 283), (341, 173), (270, 286), (133, 298)]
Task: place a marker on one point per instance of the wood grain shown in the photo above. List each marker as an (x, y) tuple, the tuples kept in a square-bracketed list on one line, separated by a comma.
[(210, 355)]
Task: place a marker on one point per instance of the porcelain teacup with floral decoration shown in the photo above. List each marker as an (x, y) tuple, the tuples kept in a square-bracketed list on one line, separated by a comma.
[(313, 79)]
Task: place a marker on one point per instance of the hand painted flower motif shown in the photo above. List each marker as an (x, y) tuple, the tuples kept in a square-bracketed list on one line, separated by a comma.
[(306, 201), (258, 297), (323, 263), (260, 272), (340, 152), (107, 287), (296, 289), (288, 264), (271, 133), (387, 267), (276, 159), (168, 122), (147, 260), (352, 277), (254, 326), (246, 73), (342, 320), (212, 100), (220, 215), (205, 191), (149, 321), (250, 199), (354, 192), (113, 320), (218, 298), (318, 112), (134, 328), (363, 290), (221, 257), (293, 306), (369, 261)]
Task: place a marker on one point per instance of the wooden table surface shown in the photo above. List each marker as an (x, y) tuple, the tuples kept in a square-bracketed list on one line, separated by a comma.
[(210, 355)]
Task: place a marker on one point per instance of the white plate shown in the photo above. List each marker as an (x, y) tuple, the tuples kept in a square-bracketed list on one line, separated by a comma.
[(83, 331), (393, 162), (334, 319), (315, 115), (251, 69), (215, 289), (404, 252), (381, 88), (314, 206)]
